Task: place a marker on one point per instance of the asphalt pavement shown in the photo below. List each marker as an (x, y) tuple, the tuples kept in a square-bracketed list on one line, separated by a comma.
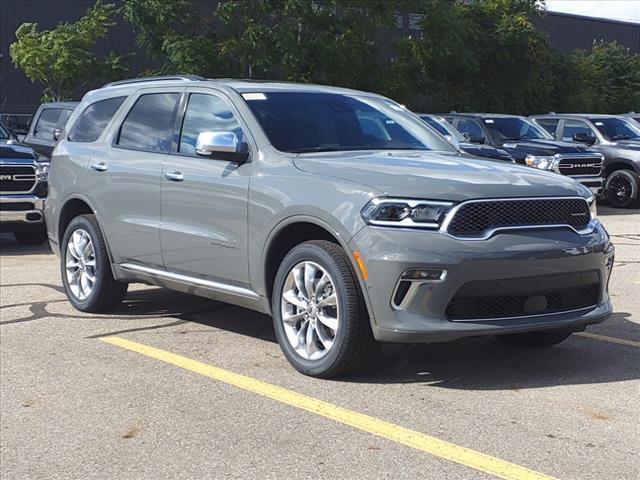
[(174, 386)]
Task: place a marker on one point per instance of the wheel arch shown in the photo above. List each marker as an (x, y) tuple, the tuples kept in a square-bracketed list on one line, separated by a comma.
[(294, 231), (620, 164)]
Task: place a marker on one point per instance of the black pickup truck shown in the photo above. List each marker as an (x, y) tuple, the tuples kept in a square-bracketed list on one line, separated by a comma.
[(531, 145)]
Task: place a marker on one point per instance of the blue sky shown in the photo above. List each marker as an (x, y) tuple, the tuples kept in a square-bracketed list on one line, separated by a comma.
[(627, 10)]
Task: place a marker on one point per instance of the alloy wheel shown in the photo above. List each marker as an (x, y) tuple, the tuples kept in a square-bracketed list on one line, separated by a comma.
[(310, 310), (80, 264)]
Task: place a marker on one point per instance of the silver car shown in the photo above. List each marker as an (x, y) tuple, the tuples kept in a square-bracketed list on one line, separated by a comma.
[(339, 213)]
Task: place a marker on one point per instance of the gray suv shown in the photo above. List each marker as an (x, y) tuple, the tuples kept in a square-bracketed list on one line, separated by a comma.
[(337, 212)]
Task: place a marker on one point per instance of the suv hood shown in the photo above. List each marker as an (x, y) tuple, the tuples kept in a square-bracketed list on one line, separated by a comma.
[(438, 175), (521, 148)]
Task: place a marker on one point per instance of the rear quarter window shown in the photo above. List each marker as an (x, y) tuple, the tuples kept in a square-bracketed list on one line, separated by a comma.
[(94, 119)]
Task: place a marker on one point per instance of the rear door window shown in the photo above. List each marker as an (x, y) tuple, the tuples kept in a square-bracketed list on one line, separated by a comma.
[(46, 123), (549, 124), (149, 123), (94, 119)]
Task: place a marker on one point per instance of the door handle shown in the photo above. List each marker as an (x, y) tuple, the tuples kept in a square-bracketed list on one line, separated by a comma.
[(99, 167), (174, 176)]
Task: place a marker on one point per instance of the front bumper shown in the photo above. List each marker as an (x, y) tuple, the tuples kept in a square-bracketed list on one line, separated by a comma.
[(593, 183), (510, 255), (21, 209)]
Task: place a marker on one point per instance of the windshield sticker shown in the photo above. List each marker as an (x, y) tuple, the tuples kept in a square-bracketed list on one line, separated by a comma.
[(254, 96), (389, 122), (488, 120), (599, 124)]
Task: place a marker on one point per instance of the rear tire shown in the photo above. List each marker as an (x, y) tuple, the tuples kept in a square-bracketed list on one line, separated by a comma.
[(534, 339), (622, 189), (308, 343), (86, 269), (31, 237)]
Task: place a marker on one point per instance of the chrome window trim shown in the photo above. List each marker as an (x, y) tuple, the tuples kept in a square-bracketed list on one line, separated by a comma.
[(489, 233)]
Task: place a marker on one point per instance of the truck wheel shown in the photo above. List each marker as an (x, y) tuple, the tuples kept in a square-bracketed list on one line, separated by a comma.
[(31, 237), (534, 339), (622, 189), (319, 314), (86, 271)]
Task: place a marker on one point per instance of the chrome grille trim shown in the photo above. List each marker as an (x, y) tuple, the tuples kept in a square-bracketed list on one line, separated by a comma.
[(444, 228), (19, 177)]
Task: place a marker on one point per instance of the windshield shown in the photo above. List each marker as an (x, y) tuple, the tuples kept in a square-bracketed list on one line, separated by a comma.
[(514, 128), (4, 134), (300, 122), (616, 128), (444, 127)]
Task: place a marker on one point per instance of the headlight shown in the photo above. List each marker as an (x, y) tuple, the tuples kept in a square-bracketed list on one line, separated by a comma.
[(399, 212), (593, 209), (42, 171), (543, 163)]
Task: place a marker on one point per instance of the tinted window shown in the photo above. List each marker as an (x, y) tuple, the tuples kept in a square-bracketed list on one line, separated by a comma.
[(432, 122), (514, 128), (149, 124), (572, 127), (444, 127), (309, 122), (205, 113), (46, 123), (4, 134), (471, 128), (616, 128), (94, 119), (63, 118), (549, 124)]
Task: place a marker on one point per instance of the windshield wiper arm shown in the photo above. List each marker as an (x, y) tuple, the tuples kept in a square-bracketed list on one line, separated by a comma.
[(346, 148)]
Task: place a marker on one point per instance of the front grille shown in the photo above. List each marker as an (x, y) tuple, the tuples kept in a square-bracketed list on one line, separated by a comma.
[(478, 218), (17, 178), (497, 306), (16, 207), (580, 166)]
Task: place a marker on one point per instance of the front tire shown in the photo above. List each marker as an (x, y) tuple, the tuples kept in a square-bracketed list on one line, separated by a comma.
[(534, 339), (86, 271), (319, 314), (622, 189)]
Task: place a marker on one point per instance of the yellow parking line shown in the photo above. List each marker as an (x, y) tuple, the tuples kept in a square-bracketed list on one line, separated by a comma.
[(605, 338), (390, 431)]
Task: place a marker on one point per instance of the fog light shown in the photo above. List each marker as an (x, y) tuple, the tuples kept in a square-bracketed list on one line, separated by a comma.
[(424, 275)]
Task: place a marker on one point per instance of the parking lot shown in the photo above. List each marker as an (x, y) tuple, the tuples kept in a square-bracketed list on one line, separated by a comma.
[(173, 386)]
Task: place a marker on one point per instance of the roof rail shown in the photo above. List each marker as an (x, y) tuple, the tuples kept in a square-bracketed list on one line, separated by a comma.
[(191, 78)]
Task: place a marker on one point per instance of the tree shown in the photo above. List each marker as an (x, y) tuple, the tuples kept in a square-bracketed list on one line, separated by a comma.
[(61, 59)]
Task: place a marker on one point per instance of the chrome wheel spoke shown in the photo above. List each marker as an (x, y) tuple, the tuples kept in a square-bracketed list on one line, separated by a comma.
[(329, 322), (327, 342), (290, 297), (309, 280), (292, 317), (311, 338), (330, 301), (298, 275)]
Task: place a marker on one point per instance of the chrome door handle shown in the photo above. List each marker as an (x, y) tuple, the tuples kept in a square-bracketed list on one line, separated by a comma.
[(99, 167), (174, 177)]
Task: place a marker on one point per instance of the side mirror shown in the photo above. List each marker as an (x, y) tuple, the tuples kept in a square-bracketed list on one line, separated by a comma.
[(56, 134), (220, 145), (584, 138)]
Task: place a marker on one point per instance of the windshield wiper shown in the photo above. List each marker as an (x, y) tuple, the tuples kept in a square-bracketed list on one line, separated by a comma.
[(622, 137)]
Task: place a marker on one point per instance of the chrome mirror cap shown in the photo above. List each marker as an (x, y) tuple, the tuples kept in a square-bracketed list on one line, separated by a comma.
[(216, 142)]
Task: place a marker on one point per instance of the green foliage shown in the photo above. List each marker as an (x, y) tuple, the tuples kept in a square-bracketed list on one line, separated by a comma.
[(61, 59), (604, 79)]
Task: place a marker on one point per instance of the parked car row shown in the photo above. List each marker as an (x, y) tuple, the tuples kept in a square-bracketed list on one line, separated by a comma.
[(600, 151)]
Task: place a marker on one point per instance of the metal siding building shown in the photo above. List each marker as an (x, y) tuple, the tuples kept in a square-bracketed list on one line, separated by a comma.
[(19, 95)]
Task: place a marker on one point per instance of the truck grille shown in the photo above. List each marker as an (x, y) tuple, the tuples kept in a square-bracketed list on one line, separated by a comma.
[(580, 166), (17, 178), (479, 218)]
